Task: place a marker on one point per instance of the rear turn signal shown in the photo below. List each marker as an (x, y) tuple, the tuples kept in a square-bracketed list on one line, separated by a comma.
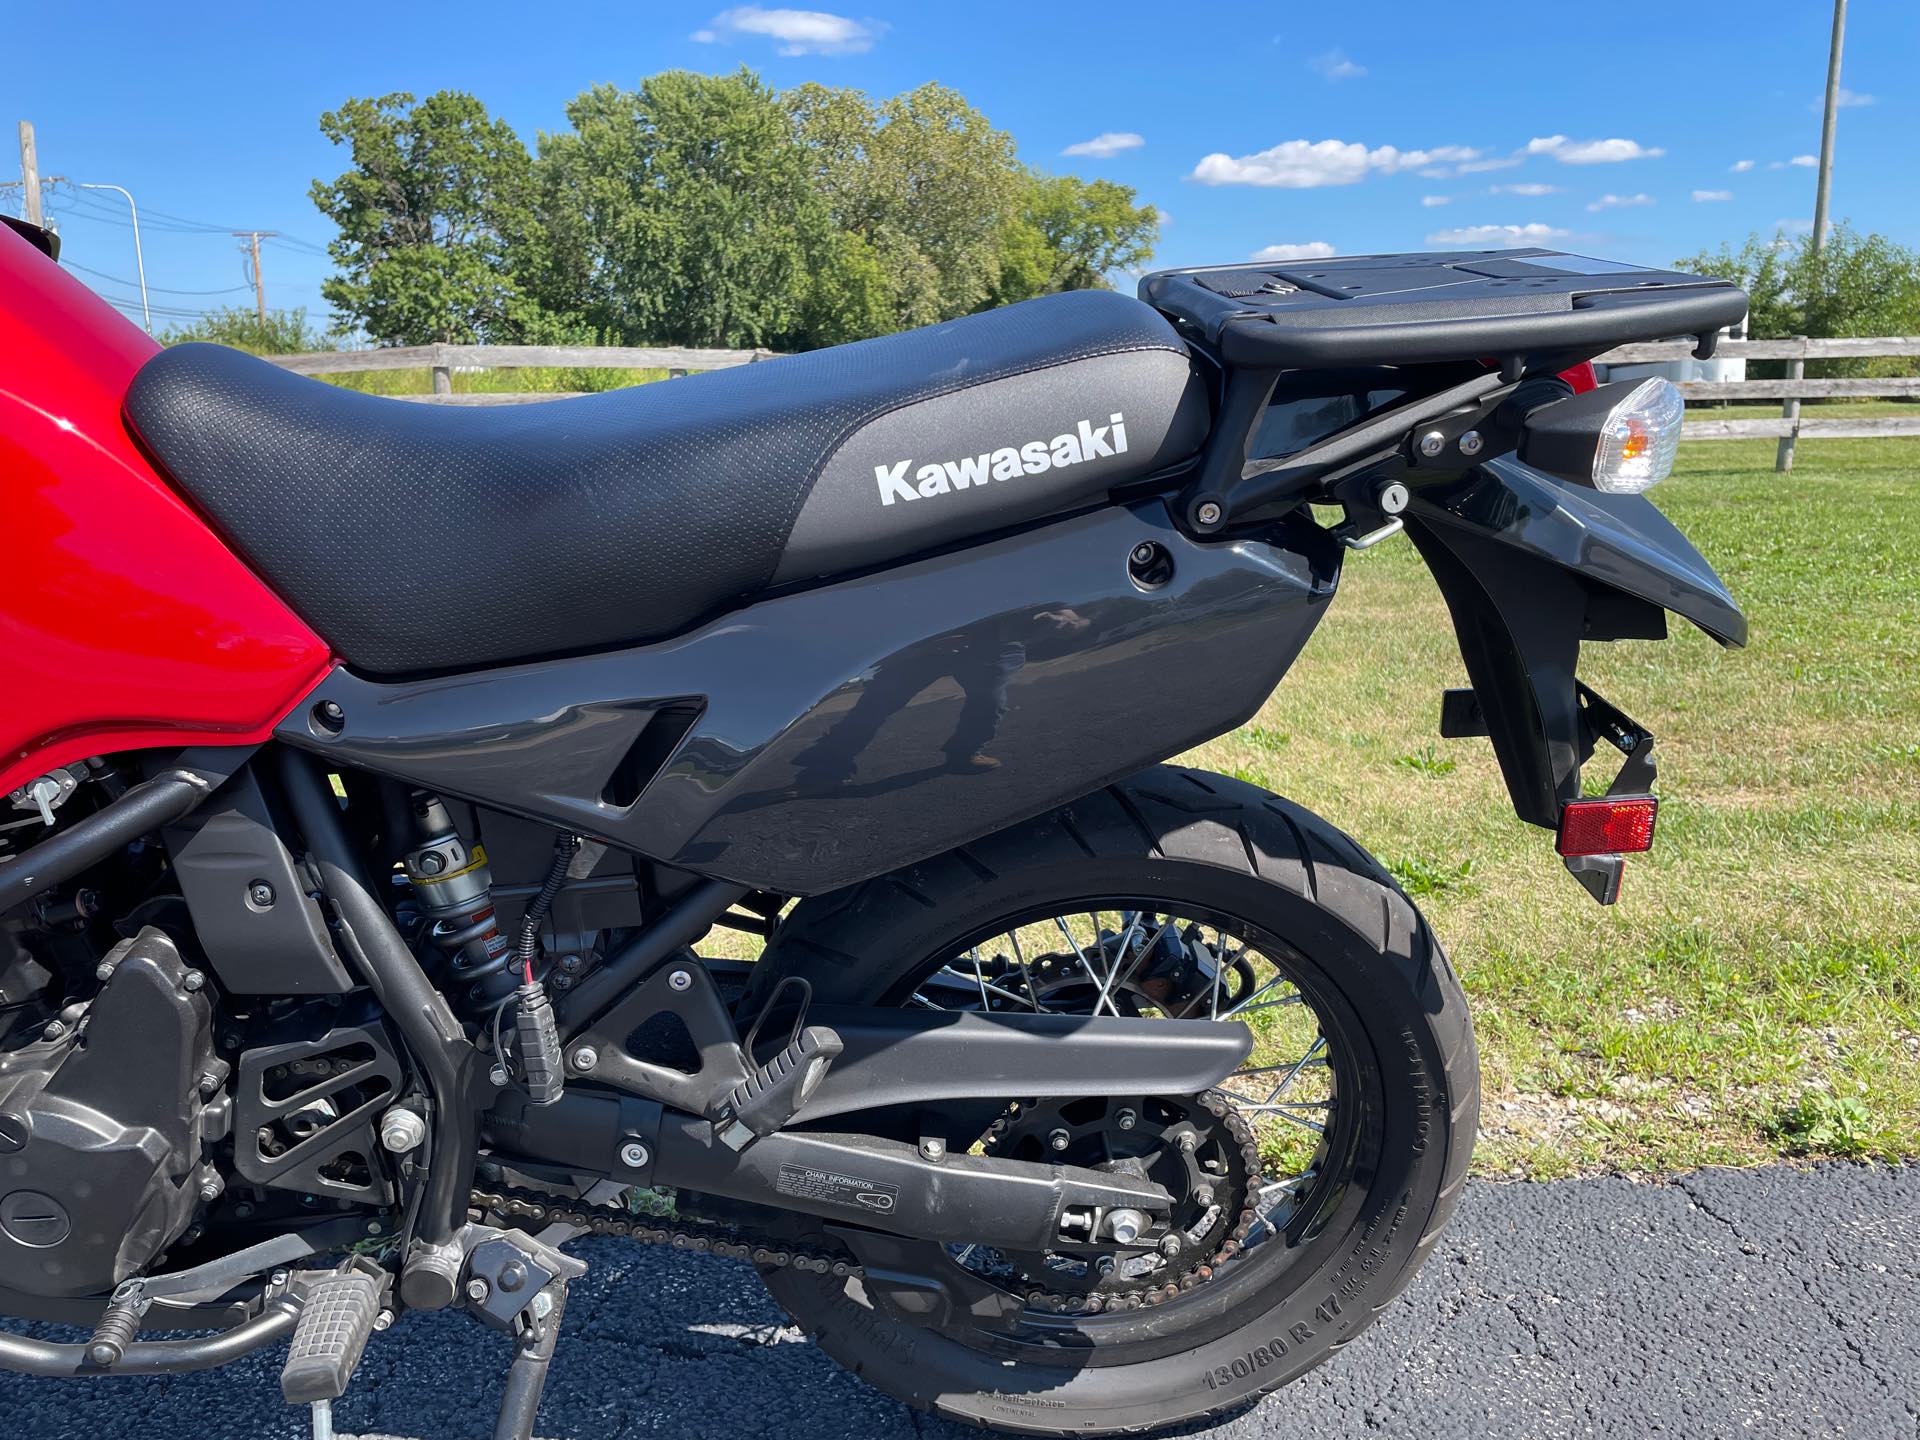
[(1609, 825)]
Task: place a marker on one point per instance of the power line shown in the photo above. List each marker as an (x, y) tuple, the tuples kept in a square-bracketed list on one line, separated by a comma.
[(156, 289)]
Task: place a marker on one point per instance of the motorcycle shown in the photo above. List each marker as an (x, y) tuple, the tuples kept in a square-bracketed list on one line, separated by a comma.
[(732, 814)]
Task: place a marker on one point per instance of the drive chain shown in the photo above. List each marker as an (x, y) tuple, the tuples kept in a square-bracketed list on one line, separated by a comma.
[(532, 1209)]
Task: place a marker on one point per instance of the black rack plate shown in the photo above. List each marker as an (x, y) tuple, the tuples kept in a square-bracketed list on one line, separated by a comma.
[(1437, 307)]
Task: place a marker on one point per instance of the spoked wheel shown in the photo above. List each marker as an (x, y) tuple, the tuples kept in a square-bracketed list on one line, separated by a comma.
[(1247, 1166), (1307, 1187)]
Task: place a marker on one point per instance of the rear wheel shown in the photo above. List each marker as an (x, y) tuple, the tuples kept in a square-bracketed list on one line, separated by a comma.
[(1308, 1187)]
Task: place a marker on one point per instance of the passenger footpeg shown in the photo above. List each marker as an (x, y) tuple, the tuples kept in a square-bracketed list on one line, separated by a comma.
[(772, 1095)]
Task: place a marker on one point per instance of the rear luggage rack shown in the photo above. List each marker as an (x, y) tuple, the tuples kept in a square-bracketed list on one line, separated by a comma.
[(1484, 319), (1431, 308)]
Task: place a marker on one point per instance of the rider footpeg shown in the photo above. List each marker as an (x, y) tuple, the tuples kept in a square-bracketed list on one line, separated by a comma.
[(336, 1318), (772, 1095)]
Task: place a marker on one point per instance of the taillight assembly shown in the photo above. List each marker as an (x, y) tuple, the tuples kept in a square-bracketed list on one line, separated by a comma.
[(1608, 825), (1581, 377)]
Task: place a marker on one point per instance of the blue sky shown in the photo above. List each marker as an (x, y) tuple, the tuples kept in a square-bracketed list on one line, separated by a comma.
[(1611, 129)]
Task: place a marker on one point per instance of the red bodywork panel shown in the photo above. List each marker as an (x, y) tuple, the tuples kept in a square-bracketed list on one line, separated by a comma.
[(125, 622)]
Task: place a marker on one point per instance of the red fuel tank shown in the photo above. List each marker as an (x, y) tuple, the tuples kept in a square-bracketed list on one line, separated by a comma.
[(125, 622)]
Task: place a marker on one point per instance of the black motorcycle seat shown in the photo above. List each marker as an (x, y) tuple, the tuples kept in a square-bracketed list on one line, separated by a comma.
[(417, 537)]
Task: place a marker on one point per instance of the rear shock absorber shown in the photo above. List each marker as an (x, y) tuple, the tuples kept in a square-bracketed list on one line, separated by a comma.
[(454, 890)]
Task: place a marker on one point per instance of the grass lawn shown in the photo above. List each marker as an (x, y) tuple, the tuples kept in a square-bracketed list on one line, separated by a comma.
[(1756, 992)]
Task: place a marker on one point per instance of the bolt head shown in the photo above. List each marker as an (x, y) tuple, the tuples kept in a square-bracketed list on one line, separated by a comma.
[(634, 1155), (478, 1290), (1059, 1140), (1208, 514), (384, 1320), (679, 980), (1432, 443), (192, 981), (331, 709), (1126, 1120), (585, 1058), (260, 893), (52, 1030), (1170, 1246), (542, 1305), (104, 1354), (933, 1148), (1143, 553), (1188, 1142), (103, 972), (1472, 443), (431, 863)]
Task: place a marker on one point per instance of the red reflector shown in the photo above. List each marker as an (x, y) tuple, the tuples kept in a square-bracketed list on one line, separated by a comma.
[(1581, 377), (1607, 826)]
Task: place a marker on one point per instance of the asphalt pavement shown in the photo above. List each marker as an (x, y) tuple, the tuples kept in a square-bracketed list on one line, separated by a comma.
[(1773, 1302)]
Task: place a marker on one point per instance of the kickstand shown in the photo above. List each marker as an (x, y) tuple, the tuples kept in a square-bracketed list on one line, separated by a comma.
[(527, 1375)]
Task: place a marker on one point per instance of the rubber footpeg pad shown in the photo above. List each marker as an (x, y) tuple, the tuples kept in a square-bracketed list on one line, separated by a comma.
[(334, 1325)]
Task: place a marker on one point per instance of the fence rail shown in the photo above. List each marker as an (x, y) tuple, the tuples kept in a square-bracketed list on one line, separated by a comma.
[(1789, 427)]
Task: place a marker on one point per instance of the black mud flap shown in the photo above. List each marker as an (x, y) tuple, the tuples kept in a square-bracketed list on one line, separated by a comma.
[(1530, 567)]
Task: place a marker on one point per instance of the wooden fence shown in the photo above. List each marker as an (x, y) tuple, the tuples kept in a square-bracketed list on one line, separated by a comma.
[(1790, 426)]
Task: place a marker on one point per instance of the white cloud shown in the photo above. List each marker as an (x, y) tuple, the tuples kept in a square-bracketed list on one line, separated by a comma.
[(1160, 214), (798, 32), (1308, 164), (1489, 236), (1106, 145), (1311, 250), (1591, 152), (1794, 225), (1498, 162), (1527, 187), (1334, 65), (1620, 202), (1706, 196), (1845, 100), (1740, 167), (1804, 162), (1432, 200)]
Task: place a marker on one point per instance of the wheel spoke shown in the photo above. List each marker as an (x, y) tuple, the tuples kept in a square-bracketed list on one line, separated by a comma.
[(1219, 968), (1277, 978)]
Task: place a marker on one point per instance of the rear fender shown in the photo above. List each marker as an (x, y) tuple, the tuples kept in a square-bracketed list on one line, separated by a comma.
[(1530, 566)]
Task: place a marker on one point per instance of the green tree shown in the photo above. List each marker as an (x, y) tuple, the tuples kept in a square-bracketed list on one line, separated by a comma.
[(283, 332), (1068, 233), (679, 213), (1852, 285), (430, 217), (925, 182)]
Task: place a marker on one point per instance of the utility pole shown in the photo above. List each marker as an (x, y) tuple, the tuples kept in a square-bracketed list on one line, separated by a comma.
[(1826, 124), (139, 259), (254, 237), (30, 174)]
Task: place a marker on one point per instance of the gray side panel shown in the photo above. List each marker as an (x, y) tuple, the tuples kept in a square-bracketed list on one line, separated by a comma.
[(861, 726), (851, 521)]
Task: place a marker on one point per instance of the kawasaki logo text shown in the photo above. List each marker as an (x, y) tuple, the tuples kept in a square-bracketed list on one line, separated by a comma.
[(1086, 441)]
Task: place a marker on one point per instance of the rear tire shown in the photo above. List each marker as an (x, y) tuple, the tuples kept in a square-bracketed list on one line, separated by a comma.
[(1213, 842)]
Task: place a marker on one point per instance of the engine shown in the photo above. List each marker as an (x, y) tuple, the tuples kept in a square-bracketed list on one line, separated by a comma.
[(106, 1113)]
